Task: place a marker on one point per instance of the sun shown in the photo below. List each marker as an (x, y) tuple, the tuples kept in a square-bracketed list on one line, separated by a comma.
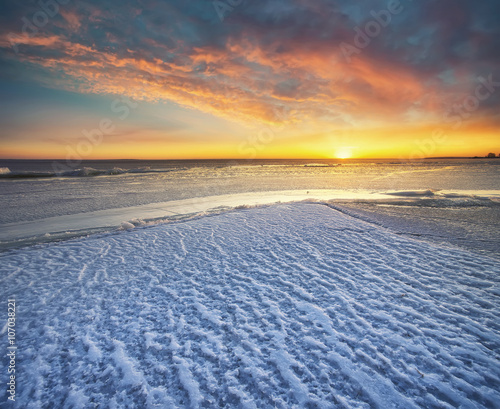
[(344, 152)]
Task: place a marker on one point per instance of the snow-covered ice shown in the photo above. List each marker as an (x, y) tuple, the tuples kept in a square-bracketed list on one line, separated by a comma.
[(287, 306)]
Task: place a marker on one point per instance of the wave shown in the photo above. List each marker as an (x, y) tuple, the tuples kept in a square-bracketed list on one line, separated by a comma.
[(5, 173), (321, 165)]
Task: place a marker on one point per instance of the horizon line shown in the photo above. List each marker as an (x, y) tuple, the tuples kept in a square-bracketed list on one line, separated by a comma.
[(253, 159)]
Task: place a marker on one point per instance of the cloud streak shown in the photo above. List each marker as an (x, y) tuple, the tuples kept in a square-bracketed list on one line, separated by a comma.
[(269, 61)]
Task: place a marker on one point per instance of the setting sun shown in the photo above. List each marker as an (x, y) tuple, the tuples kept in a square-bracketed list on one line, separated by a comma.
[(343, 153)]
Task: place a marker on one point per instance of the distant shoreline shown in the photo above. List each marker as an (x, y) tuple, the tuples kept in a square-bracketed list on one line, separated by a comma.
[(462, 157)]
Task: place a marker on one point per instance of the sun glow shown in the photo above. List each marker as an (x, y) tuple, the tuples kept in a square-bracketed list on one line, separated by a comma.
[(343, 152)]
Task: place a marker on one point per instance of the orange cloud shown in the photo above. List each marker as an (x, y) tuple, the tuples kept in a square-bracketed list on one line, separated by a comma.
[(243, 81)]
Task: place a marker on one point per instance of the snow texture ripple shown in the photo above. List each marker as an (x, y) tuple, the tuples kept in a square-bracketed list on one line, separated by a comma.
[(287, 306)]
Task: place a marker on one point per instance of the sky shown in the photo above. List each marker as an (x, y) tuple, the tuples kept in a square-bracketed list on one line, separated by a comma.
[(244, 79)]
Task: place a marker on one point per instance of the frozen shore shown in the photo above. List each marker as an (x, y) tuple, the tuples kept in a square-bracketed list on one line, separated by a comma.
[(288, 306), (66, 226)]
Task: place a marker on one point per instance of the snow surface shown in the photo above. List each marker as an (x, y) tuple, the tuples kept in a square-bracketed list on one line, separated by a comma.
[(286, 306)]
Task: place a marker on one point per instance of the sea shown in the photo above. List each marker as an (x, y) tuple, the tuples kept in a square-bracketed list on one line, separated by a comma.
[(454, 202)]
